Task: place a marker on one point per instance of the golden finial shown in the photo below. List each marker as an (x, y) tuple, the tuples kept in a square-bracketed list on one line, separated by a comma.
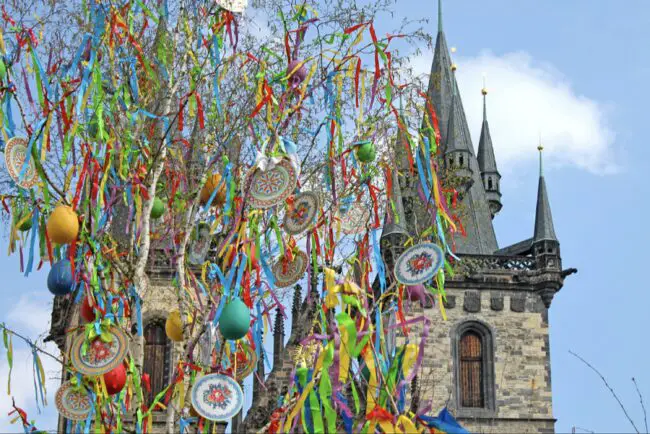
[(453, 65), (540, 148), (484, 91)]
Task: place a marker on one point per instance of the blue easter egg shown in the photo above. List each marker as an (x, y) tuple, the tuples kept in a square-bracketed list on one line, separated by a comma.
[(60, 281)]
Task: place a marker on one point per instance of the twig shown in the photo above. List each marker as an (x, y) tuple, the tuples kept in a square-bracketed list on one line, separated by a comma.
[(608, 386), (582, 429), (40, 350), (645, 416)]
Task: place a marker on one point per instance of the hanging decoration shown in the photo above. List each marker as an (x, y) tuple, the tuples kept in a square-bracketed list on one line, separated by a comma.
[(167, 161), (63, 225), (59, 279), (301, 213), (234, 320), (19, 164), (272, 184), (100, 354), (73, 401), (217, 397), (418, 264), (287, 271)]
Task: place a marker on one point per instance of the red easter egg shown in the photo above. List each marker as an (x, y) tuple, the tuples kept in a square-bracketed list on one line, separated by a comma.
[(115, 380), (87, 313)]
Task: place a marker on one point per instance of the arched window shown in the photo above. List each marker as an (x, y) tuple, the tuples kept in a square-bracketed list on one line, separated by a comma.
[(489, 183), (461, 161), (157, 354), (473, 349), (471, 375)]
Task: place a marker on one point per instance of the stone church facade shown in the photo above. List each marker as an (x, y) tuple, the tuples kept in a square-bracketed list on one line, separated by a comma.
[(489, 362)]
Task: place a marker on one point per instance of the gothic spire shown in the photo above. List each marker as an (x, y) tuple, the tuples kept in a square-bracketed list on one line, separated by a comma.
[(441, 82), (458, 138), (544, 229), (486, 161), (459, 154)]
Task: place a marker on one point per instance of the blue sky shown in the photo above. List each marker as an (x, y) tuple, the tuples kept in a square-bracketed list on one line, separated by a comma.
[(591, 63), (579, 72)]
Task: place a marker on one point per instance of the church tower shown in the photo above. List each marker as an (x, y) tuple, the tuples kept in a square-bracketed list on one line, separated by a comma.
[(489, 362)]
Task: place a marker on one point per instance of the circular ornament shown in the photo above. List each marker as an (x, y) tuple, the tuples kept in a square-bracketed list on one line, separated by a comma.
[(272, 186), (217, 397), (73, 404), (101, 357), (418, 264), (355, 219), (15, 154), (301, 216), (244, 360), (288, 273)]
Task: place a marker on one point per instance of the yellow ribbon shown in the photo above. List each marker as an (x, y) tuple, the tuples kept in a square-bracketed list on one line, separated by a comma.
[(410, 356)]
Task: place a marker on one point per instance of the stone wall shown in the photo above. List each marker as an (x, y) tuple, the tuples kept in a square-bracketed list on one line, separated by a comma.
[(522, 386)]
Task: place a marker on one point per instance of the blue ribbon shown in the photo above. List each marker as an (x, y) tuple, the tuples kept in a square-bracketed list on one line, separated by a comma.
[(379, 262), (32, 241), (37, 374), (184, 423), (9, 124)]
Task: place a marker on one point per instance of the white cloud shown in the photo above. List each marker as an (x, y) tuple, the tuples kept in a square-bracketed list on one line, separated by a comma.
[(30, 317), (31, 314), (525, 98), (22, 388)]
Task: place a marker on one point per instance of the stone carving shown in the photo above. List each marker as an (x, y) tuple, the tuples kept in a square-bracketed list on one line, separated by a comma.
[(472, 302), (450, 303), (496, 302), (517, 304)]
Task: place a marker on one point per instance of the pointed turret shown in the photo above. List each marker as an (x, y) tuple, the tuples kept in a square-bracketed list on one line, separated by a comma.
[(278, 338), (488, 164), (546, 246), (544, 230)]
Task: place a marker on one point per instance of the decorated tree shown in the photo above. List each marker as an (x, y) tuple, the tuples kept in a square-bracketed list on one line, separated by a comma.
[(178, 139)]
